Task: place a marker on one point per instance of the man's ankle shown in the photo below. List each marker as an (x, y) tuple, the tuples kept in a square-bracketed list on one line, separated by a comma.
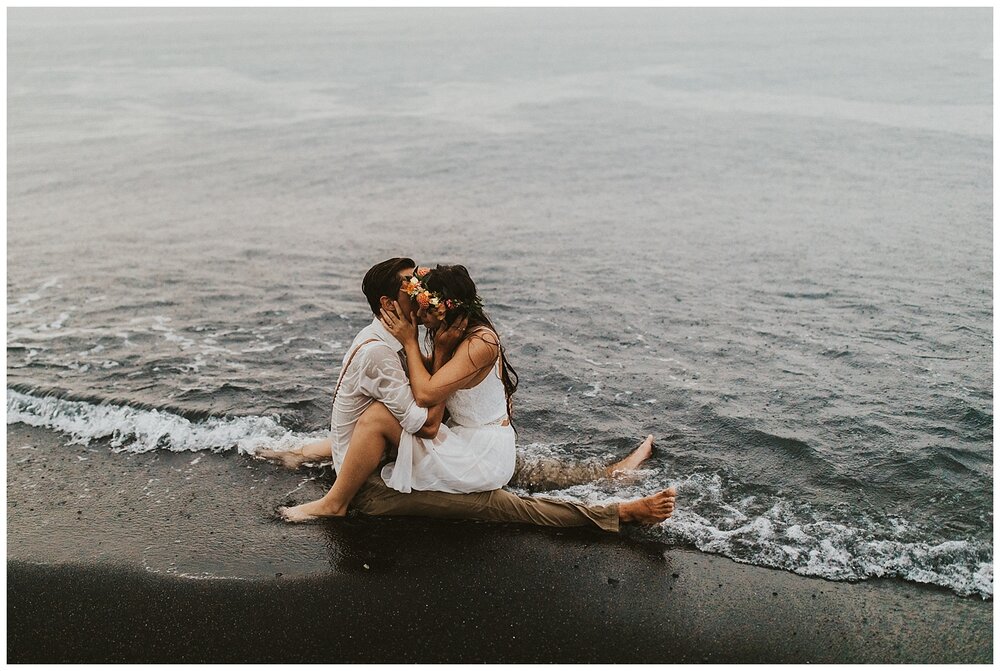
[(625, 512)]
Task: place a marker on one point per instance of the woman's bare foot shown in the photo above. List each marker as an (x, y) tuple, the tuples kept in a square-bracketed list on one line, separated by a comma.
[(287, 458), (309, 511), (649, 510), (634, 460)]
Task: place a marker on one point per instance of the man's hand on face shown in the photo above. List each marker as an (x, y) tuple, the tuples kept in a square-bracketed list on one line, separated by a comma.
[(447, 339)]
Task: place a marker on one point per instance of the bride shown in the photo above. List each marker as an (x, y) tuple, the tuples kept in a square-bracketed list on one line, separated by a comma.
[(475, 450)]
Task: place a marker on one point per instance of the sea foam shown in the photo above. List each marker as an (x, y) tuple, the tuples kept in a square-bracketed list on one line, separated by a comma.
[(751, 529), (136, 430), (779, 533)]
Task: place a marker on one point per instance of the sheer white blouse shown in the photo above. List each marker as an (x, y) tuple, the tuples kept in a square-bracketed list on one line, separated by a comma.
[(377, 373)]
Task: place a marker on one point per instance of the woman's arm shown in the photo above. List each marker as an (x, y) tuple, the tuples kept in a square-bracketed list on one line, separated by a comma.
[(448, 375), (472, 356), (445, 341), (435, 413)]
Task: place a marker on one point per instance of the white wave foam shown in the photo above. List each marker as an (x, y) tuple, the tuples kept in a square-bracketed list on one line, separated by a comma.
[(780, 538), (782, 534), (775, 533), (134, 430)]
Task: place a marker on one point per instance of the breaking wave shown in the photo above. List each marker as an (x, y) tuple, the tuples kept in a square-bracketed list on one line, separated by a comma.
[(713, 516), (135, 430), (764, 530)]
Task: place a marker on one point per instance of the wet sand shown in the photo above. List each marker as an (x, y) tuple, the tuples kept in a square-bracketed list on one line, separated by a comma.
[(176, 557)]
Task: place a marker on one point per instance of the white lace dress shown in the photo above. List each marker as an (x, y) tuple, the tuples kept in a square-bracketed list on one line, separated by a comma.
[(474, 452)]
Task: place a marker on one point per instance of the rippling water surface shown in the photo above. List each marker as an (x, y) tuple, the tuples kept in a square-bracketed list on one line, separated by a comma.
[(763, 235)]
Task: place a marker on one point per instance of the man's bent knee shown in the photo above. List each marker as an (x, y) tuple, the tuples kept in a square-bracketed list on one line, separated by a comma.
[(377, 417), (378, 421)]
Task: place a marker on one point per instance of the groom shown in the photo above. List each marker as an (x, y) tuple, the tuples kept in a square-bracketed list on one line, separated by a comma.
[(374, 370)]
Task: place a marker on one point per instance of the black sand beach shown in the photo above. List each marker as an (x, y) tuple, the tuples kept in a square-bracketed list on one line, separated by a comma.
[(114, 577)]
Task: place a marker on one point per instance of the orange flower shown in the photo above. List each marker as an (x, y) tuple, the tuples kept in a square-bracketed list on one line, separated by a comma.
[(424, 299), (422, 270)]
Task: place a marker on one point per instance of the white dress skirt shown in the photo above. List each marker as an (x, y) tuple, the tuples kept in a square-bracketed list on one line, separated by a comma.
[(474, 452)]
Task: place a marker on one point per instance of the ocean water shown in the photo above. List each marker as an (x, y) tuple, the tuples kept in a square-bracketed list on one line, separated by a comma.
[(764, 236)]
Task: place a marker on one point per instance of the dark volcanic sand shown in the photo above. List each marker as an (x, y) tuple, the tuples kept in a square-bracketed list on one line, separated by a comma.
[(98, 579)]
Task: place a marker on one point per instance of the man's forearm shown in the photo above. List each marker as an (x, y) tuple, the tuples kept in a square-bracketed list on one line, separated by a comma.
[(434, 416)]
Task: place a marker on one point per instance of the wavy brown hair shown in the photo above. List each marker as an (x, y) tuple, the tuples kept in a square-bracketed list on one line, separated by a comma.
[(382, 279), (454, 282)]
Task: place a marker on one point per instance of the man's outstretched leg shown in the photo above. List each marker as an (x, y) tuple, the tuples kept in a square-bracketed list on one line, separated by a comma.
[(499, 505)]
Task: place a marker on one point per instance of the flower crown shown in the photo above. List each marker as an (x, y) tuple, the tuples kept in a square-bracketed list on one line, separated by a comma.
[(414, 288)]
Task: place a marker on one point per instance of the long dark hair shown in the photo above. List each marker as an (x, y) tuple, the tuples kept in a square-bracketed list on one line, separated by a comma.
[(454, 282)]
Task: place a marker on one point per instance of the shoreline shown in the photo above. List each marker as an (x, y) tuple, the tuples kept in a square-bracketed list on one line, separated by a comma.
[(98, 543)]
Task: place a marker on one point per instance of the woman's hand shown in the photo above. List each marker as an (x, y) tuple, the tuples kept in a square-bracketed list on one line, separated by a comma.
[(447, 339), (404, 330)]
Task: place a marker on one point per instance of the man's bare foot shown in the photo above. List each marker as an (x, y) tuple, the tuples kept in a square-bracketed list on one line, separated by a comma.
[(309, 511), (634, 460), (287, 458), (650, 509)]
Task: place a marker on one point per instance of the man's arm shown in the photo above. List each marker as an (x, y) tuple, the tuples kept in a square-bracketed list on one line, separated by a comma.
[(435, 415), (383, 379)]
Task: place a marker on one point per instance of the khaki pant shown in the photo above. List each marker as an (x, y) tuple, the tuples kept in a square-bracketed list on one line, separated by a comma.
[(498, 505)]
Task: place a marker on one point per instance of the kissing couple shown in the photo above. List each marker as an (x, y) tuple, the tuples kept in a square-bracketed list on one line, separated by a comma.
[(389, 410)]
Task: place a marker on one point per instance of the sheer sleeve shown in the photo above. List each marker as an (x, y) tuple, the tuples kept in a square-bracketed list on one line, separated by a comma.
[(383, 378)]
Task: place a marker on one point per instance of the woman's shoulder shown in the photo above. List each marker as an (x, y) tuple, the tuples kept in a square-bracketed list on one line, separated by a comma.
[(483, 345), (484, 333)]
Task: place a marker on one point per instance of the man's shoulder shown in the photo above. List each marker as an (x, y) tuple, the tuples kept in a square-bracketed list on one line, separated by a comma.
[(372, 348), (366, 335)]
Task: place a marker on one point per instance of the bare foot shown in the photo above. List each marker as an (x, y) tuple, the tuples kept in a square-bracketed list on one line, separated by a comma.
[(287, 458), (649, 510), (309, 511), (634, 460)]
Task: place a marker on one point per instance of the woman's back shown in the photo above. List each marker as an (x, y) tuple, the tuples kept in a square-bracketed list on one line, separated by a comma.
[(485, 403)]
